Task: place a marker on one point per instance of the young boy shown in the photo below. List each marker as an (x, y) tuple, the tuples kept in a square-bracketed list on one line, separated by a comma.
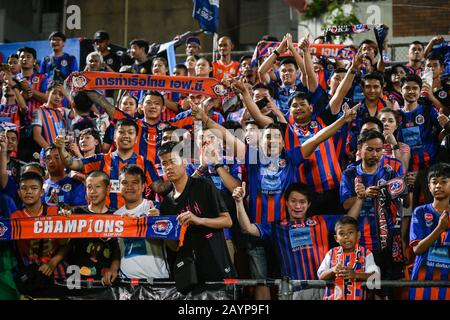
[(348, 264), (97, 258), (430, 237)]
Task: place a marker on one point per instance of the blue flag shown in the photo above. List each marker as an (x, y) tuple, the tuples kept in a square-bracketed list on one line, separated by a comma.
[(206, 12)]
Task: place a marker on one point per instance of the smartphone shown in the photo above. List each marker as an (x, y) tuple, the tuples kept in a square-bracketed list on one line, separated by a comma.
[(262, 103)]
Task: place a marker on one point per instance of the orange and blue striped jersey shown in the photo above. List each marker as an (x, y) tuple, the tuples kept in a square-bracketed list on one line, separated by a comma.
[(50, 120), (111, 163), (301, 244), (434, 263), (321, 171), (367, 219), (38, 82), (420, 129), (361, 260), (39, 251), (268, 178)]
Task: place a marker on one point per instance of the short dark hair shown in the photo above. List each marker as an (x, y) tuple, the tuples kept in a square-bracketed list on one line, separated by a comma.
[(27, 50), (367, 135), (100, 174), (169, 128), (346, 220), (299, 95), (339, 70), (231, 125), (391, 111), (276, 126), (12, 55), (439, 170), (141, 43), (246, 123), (169, 147), (181, 66), (49, 148), (435, 56), (129, 96), (133, 170), (244, 57), (416, 42), (164, 60), (373, 76), (154, 93), (288, 61), (411, 77), (373, 120), (31, 176), (370, 43), (125, 122), (300, 188), (53, 85), (57, 34), (82, 102), (36, 165), (263, 86)]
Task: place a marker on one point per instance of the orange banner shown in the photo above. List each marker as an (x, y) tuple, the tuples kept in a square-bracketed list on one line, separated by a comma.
[(90, 226), (93, 80)]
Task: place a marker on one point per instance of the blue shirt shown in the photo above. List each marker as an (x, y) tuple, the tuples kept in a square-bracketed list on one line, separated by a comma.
[(66, 64), (70, 192)]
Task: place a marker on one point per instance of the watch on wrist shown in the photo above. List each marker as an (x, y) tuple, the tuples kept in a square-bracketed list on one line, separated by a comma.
[(218, 165), (395, 147)]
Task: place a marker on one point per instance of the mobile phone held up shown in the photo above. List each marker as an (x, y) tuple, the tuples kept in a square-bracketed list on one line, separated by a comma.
[(262, 103)]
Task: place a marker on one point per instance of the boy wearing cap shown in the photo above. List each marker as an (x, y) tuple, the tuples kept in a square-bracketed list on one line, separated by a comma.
[(101, 40), (59, 64), (193, 46)]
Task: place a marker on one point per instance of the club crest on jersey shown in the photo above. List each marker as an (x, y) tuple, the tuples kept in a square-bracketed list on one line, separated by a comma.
[(119, 53), (310, 222), (313, 124), (442, 95), (3, 229), (162, 227), (109, 61), (219, 89), (64, 63), (35, 80), (67, 187), (282, 163), (420, 119)]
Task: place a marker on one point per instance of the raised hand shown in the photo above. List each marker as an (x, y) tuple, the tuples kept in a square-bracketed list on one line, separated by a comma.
[(239, 193)]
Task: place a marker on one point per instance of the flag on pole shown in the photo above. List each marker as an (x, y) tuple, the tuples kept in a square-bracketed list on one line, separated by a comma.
[(206, 12)]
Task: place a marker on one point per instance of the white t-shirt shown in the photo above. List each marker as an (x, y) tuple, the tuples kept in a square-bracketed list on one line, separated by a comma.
[(142, 258)]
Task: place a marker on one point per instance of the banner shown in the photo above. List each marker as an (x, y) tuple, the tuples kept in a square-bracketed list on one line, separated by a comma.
[(335, 51), (90, 226), (43, 48), (206, 12), (94, 80)]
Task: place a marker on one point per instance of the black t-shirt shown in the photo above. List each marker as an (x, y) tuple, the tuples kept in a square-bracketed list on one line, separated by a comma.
[(113, 61), (92, 255), (202, 198), (145, 67)]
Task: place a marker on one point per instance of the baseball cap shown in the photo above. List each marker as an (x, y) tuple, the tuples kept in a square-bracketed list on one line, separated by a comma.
[(193, 40), (57, 34), (101, 35)]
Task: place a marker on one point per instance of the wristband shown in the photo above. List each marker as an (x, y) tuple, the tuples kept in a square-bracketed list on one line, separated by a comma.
[(276, 52), (353, 71), (395, 147)]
